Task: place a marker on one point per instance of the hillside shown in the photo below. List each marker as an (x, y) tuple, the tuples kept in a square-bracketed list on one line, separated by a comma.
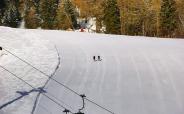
[(155, 18), (34, 49), (136, 74)]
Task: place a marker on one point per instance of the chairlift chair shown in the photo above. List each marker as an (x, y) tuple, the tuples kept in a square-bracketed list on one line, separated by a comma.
[(79, 112)]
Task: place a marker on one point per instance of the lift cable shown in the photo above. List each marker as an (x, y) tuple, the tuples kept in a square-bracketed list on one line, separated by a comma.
[(68, 88), (60, 105), (42, 72)]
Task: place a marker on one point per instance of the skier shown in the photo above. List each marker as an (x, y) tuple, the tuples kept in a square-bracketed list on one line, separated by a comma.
[(99, 58), (1, 51), (94, 58)]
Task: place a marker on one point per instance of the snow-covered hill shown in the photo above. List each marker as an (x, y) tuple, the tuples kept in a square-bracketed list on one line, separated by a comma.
[(137, 75)]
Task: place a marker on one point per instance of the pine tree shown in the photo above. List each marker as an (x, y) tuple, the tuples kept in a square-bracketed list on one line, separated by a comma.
[(71, 12), (97, 12), (151, 18), (62, 22), (48, 13), (180, 8), (168, 18), (2, 4), (2, 8), (112, 17), (31, 17), (12, 15), (133, 14), (66, 16)]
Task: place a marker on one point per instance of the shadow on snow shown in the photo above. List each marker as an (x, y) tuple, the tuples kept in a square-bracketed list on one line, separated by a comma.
[(23, 94)]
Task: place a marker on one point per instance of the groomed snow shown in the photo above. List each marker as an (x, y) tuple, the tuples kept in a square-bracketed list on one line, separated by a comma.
[(137, 75), (36, 50)]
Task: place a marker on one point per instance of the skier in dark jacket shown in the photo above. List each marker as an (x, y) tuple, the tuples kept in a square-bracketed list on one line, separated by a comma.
[(99, 58), (1, 51), (94, 58)]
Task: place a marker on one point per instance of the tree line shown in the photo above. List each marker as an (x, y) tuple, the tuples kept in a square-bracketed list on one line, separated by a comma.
[(160, 18)]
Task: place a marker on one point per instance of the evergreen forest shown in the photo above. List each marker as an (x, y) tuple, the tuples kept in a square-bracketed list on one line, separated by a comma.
[(155, 18)]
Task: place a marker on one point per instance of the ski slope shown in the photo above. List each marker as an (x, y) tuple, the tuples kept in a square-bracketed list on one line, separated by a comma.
[(137, 75), (32, 48)]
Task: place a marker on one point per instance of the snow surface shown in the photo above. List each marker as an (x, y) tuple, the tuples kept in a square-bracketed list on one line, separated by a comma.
[(32, 48), (137, 75)]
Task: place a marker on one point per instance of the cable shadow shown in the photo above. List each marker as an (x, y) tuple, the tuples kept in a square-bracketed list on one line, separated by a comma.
[(23, 94)]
